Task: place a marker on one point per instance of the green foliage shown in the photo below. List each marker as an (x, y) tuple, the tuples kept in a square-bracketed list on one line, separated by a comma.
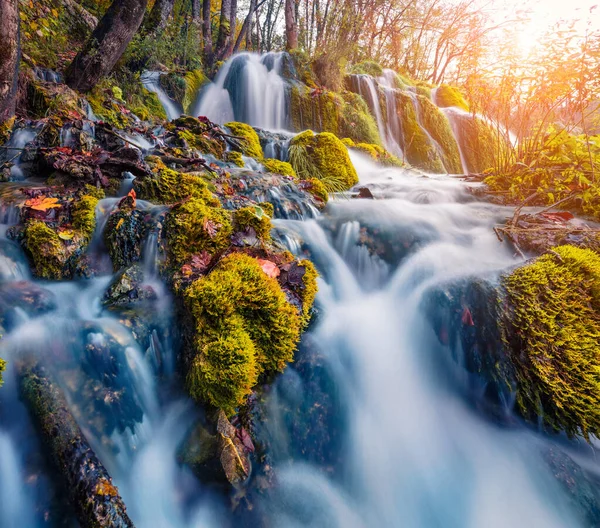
[(555, 165), (318, 189), (322, 156), (279, 167), (244, 326), (356, 121), (554, 333), (45, 249), (193, 226), (84, 216), (256, 217), (368, 67), (167, 186), (250, 142), (446, 96)]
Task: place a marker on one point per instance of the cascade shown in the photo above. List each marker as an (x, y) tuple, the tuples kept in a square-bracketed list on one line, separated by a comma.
[(151, 81), (248, 88)]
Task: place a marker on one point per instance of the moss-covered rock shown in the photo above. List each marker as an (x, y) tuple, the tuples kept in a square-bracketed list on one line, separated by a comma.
[(317, 189), (83, 212), (446, 96), (322, 156), (2, 369), (234, 157), (146, 105), (279, 167), (438, 127), (124, 234), (479, 143), (244, 326), (194, 80), (46, 250), (377, 153), (553, 333), (418, 149), (193, 226), (256, 217), (368, 67), (250, 142), (167, 186)]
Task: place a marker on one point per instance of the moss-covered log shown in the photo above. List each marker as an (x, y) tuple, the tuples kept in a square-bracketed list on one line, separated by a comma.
[(91, 491)]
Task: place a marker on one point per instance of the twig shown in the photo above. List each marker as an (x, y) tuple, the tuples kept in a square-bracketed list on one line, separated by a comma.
[(565, 199), (515, 217)]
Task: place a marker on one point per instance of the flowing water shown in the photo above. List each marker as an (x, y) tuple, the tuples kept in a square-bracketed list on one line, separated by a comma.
[(370, 427), (375, 424)]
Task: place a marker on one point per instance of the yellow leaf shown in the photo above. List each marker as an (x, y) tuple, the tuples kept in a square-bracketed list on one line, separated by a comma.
[(66, 235), (54, 12), (120, 223)]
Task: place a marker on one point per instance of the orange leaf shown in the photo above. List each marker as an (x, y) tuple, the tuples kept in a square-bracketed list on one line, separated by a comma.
[(270, 268), (42, 204)]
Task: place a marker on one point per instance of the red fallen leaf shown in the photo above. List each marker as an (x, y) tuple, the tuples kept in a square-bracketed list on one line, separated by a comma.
[(270, 268), (210, 227), (133, 195), (243, 435), (561, 216), (186, 270), (467, 318), (200, 262)]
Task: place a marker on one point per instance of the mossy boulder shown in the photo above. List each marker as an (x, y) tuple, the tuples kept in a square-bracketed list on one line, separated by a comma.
[(124, 234), (194, 80), (257, 217), (244, 325), (324, 157), (553, 331), (46, 249), (193, 133), (279, 167), (368, 67), (167, 186), (193, 226), (83, 212), (446, 96), (234, 157), (249, 142)]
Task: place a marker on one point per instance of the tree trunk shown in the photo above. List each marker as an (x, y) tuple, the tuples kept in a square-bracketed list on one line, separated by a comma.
[(196, 11), (9, 57), (245, 27), (106, 44), (225, 29), (291, 28), (94, 497), (207, 32), (159, 16)]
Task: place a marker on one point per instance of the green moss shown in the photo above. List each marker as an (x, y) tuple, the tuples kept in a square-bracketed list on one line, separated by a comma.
[(478, 143), (322, 156), (146, 105), (2, 369), (356, 121), (202, 143), (194, 80), (424, 91), (256, 217), (234, 157), (45, 249), (418, 149), (167, 186), (309, 291), (279, 167), (84, 216), (303, 66), (446, 96), (317, 189), (250, 141), (94, 191), (189, 227), (106, 109), (6, 129), (368, 67), (438, 126), (244, 326), (377, 153), (554, 333)]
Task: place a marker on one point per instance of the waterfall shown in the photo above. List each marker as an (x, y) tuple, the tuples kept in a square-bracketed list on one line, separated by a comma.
[(151, 81), (248, 88)]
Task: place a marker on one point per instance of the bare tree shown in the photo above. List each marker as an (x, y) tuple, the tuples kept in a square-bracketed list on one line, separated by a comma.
[(207, 32), (106, 44), (9, 57)]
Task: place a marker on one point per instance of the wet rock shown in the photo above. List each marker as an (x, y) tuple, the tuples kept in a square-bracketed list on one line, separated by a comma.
[(232, 452), (124, 234), (128, 288), (365, 192), (23, 297), (199, 452)]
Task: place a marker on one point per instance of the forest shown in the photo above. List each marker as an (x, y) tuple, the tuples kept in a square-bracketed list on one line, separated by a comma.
[(299, 263)]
